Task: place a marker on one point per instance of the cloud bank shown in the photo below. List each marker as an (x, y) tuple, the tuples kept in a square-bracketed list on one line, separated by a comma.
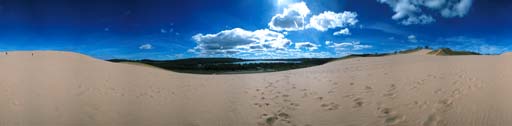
[(351, 46), (239, 40), (329, 19), (344, 31), (306, 45), (272, 41), (292, 18), (410, 12)]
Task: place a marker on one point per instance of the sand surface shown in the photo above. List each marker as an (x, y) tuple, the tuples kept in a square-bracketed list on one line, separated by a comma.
[(507, 54), (420, 52), (68, 89)]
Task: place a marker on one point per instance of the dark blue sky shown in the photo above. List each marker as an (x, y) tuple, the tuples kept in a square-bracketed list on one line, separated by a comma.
[(168, 29)]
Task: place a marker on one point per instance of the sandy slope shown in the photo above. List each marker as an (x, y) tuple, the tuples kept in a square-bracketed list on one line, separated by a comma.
[(507, 54), (60, 88), (420, 52)]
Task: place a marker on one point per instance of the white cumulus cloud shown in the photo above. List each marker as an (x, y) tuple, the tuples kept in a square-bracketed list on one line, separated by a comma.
[(292, 18), (344, 31), (410, 12), (238, 40), (412, 38), (329, 19), (328, 42), (146, 46), (306, 45)]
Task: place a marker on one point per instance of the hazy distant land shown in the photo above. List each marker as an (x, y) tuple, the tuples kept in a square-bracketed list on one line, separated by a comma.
[(239, 66)]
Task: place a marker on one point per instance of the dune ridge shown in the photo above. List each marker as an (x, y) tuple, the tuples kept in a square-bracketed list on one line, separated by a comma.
[(47, 88), (507, 54), (420, 52)]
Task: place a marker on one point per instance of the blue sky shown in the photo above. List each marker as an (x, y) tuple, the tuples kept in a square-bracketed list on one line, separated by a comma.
[(171, 29)]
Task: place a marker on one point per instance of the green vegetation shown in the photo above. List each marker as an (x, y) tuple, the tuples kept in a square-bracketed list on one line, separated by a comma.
[(228, 65), (449, 52)]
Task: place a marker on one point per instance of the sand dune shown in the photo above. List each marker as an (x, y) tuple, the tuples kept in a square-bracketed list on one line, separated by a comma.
[(507, 54), (45, 88), (420, 52)]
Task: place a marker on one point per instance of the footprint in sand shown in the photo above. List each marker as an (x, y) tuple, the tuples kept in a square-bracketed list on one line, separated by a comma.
[(391, 92), (385, 111), (358, 102), (368, 88), (390, 116), (431, 120), (261, 105), (444, 105), (272, 119), (394, 119), (294, 104), (389, 95), (330, 106)]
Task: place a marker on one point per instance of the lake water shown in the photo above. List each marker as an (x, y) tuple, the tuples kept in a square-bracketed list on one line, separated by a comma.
[(265, 61)]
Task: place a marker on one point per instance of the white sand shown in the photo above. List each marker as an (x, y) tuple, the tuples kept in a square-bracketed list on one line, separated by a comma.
[(66, 89)]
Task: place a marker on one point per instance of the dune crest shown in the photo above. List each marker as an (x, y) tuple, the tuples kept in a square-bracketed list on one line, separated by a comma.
[(507, 54), (44, 55), (61, 88), (420, 52)]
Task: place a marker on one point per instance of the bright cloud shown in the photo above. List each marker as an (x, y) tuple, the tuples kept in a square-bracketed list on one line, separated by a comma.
[(329, 19), (344, 31), (239, 40), (410, 12), (292, 18), (344, 46), (412, 38), (272, 42), (306, 45), (328, 42), (146, 46)]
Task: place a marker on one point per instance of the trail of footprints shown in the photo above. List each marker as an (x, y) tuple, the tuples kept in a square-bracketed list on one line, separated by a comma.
[(276, 102), (462, 85)]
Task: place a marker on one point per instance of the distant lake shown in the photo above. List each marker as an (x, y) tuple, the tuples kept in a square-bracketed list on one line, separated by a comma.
[(265, 61)]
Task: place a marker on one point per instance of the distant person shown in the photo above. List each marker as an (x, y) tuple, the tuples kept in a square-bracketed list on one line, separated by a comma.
[(6, 53)]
